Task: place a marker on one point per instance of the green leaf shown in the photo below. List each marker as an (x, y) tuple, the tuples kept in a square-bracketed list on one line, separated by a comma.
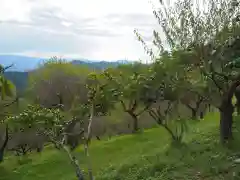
[(9, 88)]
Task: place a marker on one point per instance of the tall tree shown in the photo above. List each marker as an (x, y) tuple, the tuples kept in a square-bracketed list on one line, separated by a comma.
[(166, 87), (51, 122), (7, 91), (210, 33), (129, 86), (100, 102), (56, 79), (195, 97)]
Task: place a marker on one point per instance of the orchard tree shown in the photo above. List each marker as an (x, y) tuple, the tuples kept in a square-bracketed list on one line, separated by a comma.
[(128, 83), (166, 87), (47, 122), (209, 32), (8, 92), (195, 97), (100, 102), (53, 124), (57, 79)]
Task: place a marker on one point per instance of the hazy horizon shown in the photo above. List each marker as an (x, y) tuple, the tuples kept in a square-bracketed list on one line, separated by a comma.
[(66, 58)]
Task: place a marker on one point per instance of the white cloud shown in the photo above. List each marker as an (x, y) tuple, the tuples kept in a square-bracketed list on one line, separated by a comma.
[(98, 29), (15, 10)]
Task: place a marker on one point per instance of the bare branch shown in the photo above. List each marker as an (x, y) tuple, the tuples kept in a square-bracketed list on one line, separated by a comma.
[(144, 109), (11, 103), (7, 67), (123, 105)]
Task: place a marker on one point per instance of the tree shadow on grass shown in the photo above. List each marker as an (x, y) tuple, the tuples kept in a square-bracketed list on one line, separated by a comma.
[(4, 173)]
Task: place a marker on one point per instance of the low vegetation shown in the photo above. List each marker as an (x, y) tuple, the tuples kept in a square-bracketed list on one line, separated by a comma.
[(151, 157)]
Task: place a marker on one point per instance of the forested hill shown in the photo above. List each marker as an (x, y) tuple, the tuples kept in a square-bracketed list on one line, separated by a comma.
[(20, 79), (99, 64), (19, 76)]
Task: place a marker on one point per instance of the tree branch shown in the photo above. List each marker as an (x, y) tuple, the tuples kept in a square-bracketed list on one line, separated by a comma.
[(134, 106), (144, 109), (73, 134), (11, 103), (154, 115), (123, 105), (7, 67), (168, 108), (6, 139), (189, 106), (212, 77)]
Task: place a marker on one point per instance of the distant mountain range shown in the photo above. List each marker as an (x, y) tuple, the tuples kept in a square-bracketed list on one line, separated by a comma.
[(20, 63), (18, 74), (25, 63)]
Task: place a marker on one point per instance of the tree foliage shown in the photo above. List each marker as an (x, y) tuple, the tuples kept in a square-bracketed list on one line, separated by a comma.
[(197, 65), (206, 39), (7, 90), (56, 79), (128, 84)]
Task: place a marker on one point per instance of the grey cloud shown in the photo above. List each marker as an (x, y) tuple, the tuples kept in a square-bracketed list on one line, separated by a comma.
[(43, 17), (49, 19), (95, 32), (139, 20), (145, 23), (14, 38), (46, 33)]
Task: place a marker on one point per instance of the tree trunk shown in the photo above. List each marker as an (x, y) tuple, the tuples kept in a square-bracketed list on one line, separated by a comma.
[(1, 156), (135, 122), (90, 172), (226, 120), (238, 107), (226, 112), (201, 115), (86, 144), (98, 138), (2, 149), (73, 159), (169, 131), (237, 95), (209, 107), (75, 164), (194, 113)]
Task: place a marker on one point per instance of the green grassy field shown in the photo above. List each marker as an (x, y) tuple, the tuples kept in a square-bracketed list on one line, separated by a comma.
[(146, 155)]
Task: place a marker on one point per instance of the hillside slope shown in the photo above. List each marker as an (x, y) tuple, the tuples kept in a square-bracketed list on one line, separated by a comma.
[(19, 79), (145, 156), (18, 74)]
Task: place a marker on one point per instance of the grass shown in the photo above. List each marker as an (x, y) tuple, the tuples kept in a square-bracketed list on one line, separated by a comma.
[(146, 155)]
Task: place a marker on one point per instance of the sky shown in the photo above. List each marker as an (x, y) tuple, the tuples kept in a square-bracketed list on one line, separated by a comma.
[(90, 29)]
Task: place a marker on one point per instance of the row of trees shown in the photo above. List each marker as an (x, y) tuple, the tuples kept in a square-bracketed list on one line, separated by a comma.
[(197, 66), (203, 37)]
